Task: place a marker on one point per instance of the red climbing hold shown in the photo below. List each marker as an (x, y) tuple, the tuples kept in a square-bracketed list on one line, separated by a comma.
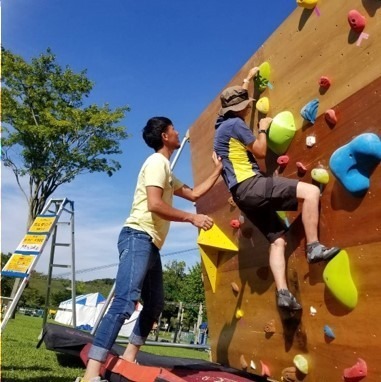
[(235, 223), (283, 160), (302, 169), (330, 117), (356, 20), (324, 82), (359, 370)]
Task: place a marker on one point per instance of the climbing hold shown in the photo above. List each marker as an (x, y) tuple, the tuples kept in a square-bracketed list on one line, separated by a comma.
[(310, 140), (281, 132), (313, 311), (353, 163), (283, 160), (253, 365), (289, 374), (243, 362), (309, 4), (302, 169), (337, 276), (263, 105), (329, 332), (324, 82), (309, 111), (234, 223), (357, 371), (330, 117), (235, 287), (356, 20), (301, 363), (270, 327), (232, 202), (261, 80), (265, 369), (239, 313), (321, 175)]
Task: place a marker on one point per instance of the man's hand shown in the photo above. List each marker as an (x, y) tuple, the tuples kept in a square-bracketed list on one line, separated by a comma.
[(217, 161), (252, 73), (202, 221), (264, 123)]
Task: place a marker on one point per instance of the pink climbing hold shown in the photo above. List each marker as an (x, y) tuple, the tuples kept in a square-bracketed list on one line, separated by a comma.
[(283, 160), (356, 20), (359, 370), (265, 369), (324, 82), (330, 117), (235, 223), (302, 169)]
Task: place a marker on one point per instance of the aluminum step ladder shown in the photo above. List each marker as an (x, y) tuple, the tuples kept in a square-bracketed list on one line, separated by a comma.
[(24, 259)]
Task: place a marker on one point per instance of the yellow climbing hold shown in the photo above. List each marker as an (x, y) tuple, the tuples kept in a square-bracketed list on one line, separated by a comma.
[(209, 257), (239, 313), (321, 175), (309, 4), (301, 363), (216, 238), (337, 276), (263, 105)]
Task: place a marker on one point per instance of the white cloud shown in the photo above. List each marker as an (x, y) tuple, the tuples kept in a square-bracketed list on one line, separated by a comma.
[(100, 210)]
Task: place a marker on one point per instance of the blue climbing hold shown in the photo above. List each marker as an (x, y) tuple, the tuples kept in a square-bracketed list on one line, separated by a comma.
[(309, 111), (353, 163), (329, 332)]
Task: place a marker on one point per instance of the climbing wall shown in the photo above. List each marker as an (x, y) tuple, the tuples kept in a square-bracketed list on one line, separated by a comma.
[(335, 144)]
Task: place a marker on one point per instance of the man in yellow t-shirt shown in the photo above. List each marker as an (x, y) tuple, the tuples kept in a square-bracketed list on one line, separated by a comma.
[(140, 271)]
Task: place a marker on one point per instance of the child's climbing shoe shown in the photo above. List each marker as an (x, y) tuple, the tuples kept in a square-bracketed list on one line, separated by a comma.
[(317, 252), (286, 300), (95, 379)]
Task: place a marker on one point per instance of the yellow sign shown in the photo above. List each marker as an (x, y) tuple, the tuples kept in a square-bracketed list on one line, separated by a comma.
[(19, 263), (32, 243), (42, 224)]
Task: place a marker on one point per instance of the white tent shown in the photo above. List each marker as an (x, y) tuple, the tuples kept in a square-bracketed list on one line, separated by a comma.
[(88, 308)]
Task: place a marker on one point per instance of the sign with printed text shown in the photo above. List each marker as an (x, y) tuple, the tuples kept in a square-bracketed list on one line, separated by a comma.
[(33, 243), (42, 224), (19, 263)]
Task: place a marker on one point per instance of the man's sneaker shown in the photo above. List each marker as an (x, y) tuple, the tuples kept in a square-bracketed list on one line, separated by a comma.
[(317, 252), (286, 300), (95, 379)]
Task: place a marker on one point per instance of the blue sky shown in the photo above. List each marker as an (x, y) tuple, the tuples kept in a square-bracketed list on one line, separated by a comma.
[(160, 57)]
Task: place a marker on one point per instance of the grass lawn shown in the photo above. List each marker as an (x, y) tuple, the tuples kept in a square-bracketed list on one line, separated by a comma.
[(22, 361)]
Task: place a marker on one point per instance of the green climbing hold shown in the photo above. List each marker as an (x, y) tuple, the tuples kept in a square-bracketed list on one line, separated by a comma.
[(301, 363), (281, 132), (262, 79), (337, 276), (321, 175)]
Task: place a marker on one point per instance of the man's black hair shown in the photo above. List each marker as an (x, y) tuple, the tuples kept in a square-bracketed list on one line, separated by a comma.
[(153, 130)]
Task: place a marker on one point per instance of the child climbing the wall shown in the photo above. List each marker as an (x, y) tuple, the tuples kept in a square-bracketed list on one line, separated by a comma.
[(260, 196)]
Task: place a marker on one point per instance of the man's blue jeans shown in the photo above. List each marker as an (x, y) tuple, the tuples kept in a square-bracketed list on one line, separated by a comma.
[(139, 275)]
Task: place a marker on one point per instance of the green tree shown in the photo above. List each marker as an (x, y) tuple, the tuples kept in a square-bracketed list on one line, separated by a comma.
[(48, 133), (6, 282)]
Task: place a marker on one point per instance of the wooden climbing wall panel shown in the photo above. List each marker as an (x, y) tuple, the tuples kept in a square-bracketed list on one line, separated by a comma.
[(308, 45)]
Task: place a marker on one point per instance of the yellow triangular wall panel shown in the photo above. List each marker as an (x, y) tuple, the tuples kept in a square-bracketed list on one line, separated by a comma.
[(216, 238), (210, 259)]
